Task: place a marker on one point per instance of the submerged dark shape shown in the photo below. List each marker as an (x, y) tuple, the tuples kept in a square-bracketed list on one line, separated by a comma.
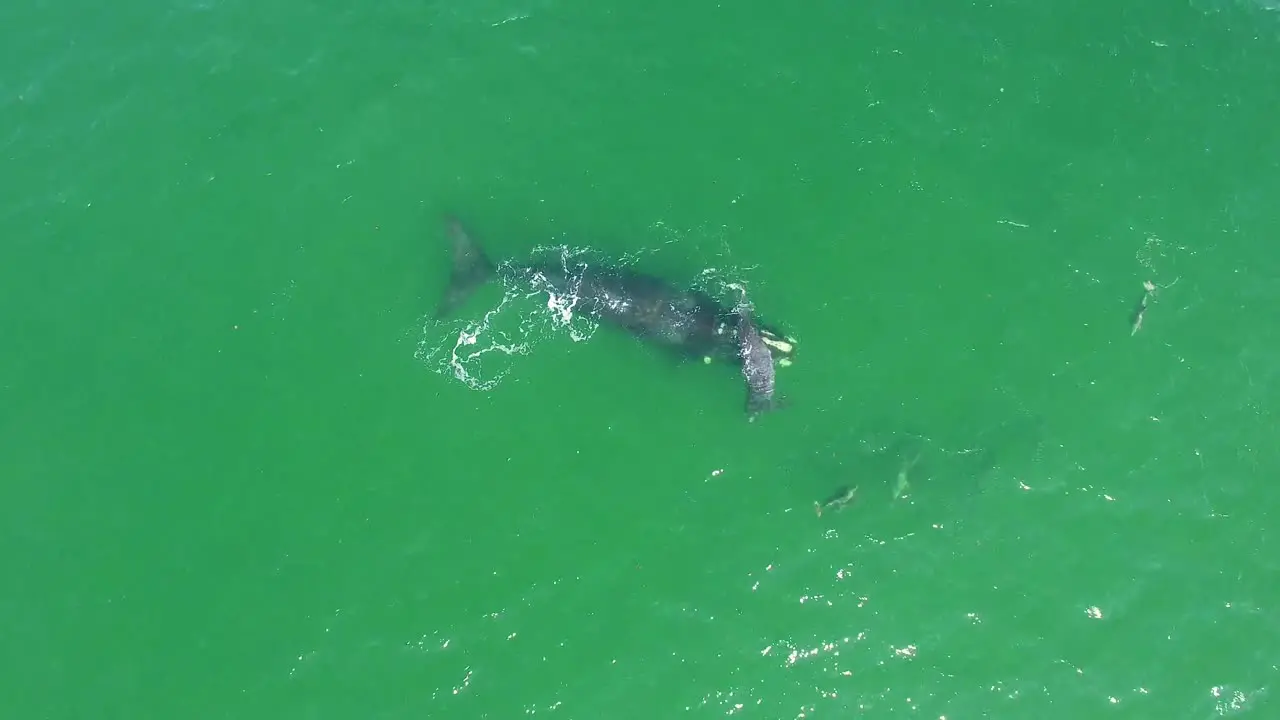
[(690, 322)]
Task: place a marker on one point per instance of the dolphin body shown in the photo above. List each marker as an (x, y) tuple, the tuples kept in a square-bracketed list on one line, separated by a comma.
[(690, 322)]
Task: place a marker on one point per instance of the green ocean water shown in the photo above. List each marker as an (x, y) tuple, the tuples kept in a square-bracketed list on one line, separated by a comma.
[(241, 478)]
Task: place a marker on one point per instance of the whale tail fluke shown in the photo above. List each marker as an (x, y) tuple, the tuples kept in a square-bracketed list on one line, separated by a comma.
[(470, 268)]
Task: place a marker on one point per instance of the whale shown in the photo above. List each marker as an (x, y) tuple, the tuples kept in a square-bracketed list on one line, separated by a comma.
[(686, 321), (758, 369)]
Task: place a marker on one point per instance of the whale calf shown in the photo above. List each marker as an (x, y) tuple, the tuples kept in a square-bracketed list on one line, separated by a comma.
[(757, 362)]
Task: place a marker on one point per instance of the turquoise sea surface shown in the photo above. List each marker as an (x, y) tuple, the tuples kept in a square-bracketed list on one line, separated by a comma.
[(245, 473)]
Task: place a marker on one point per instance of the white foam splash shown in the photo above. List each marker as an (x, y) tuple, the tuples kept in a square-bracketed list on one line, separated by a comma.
[(480, 354)]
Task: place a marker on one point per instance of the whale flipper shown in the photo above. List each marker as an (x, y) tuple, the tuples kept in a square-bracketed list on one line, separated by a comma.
[(470, 268)]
